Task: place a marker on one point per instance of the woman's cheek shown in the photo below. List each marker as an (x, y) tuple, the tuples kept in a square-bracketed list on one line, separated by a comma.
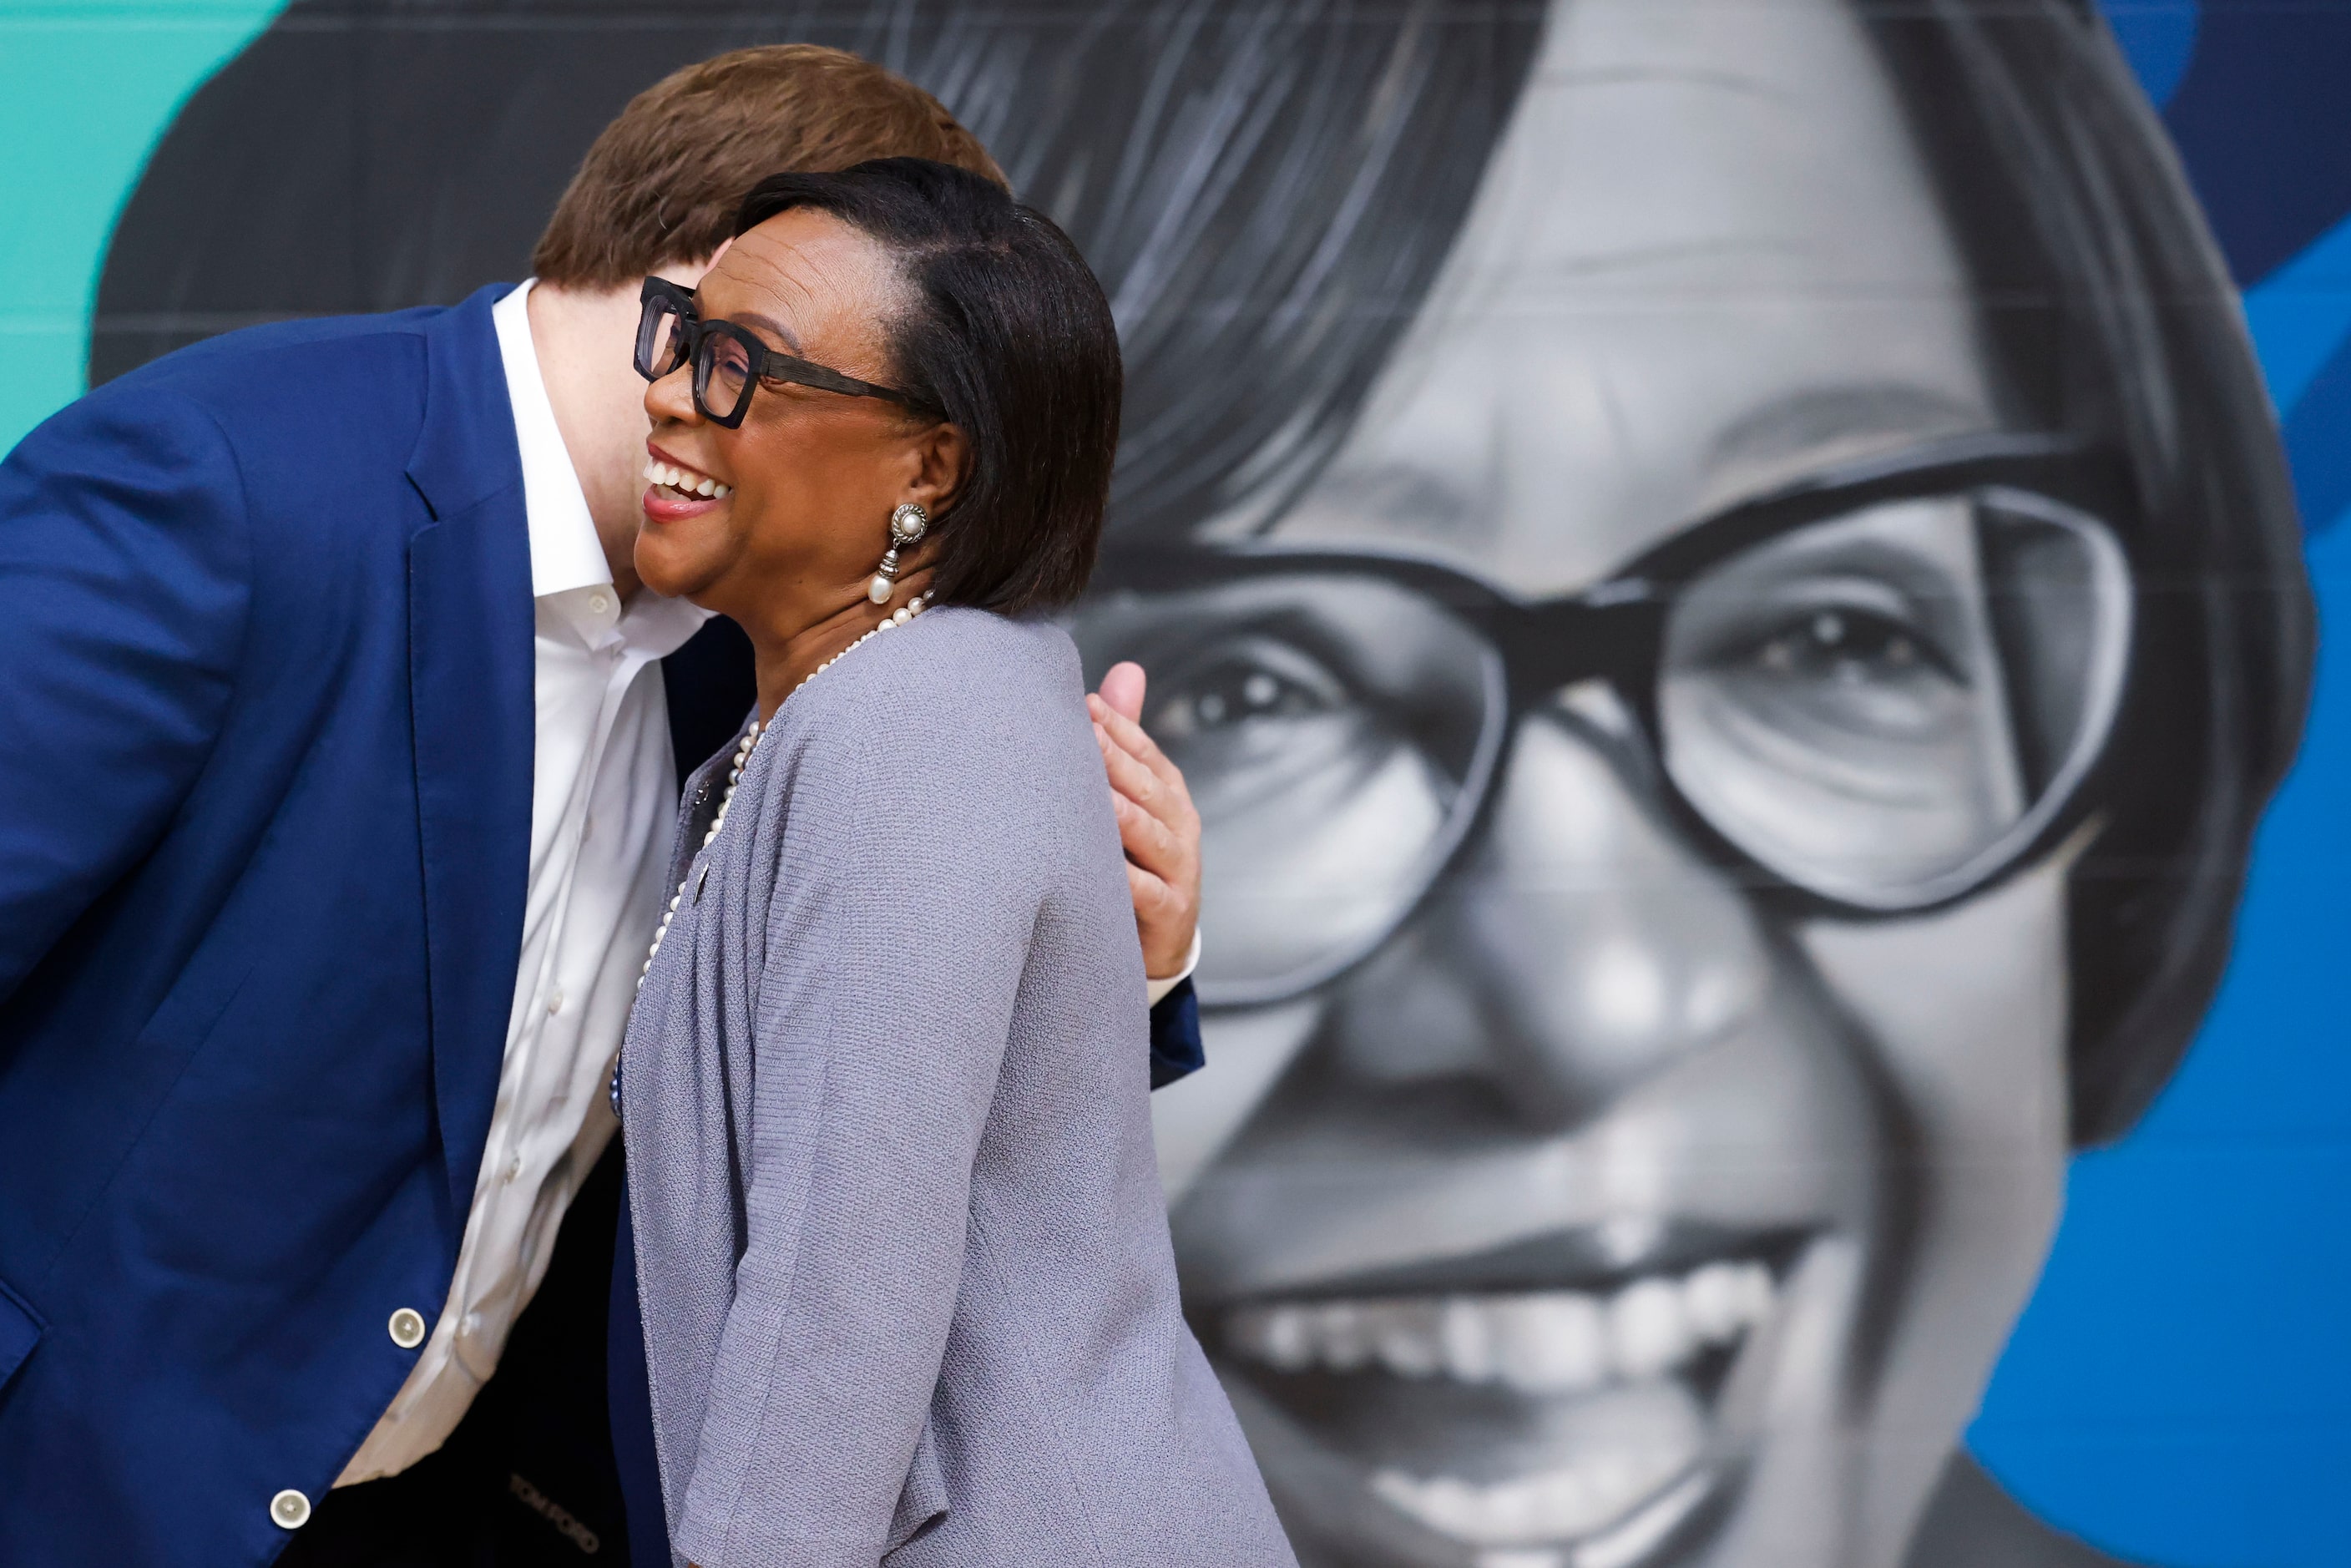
[(1968, 1009), (1966, 1013)]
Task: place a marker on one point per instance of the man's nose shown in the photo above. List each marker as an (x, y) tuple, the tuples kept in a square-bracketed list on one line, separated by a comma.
[(1582, 947)]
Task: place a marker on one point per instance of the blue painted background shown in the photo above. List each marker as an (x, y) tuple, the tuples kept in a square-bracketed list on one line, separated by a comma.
[(2180, 1391)]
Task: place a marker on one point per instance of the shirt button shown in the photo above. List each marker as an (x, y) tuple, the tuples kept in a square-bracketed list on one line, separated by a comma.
[(514, 1166), (555, 1000), (599, 603), (471, 1326), (407, 1333), (289, 1510)]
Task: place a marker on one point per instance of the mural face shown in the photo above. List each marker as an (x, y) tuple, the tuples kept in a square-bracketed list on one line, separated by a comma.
[(1726, 722), (1657, 1175)]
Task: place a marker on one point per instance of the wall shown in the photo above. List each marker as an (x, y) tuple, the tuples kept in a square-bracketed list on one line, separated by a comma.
[(89, 88), (1875, 1113)]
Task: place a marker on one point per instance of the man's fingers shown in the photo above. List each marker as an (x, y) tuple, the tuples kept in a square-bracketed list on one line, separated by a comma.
[(1147, 841), (1157, 826), (1130, 778), (1133, 739), (1127, 732), (1160, 921), (1122, 689), (1152, 895)]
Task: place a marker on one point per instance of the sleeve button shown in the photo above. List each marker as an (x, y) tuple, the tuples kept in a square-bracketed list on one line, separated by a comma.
[(407, 1333), (289, 1510)]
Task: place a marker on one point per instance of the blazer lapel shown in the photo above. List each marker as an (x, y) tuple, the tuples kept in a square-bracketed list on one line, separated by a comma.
[(472, 709)]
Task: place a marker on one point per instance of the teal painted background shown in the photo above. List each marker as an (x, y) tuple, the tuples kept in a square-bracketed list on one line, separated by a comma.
[(85, 89), (2180, 1389)]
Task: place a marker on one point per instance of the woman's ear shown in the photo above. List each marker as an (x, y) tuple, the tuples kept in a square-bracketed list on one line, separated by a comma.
[(942, 462)]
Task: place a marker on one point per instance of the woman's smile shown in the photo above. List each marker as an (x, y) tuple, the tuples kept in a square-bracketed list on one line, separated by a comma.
[(677, 491)]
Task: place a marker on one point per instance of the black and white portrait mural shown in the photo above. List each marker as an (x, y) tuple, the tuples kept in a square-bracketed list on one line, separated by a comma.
[(1726, 584)]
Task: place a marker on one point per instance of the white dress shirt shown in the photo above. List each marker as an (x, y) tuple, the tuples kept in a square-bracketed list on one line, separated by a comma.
[(603, 812)]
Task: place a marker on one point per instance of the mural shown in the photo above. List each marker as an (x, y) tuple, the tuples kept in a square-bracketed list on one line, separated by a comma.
[(1724, 580)]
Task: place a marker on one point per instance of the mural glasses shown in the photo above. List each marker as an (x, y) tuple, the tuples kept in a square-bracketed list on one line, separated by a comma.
[(1873, 693)]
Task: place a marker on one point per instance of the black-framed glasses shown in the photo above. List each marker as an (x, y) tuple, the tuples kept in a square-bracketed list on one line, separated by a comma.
[(1872, 694), (728, 361)]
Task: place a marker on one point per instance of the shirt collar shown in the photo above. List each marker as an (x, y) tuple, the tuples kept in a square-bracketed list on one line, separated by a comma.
[(565, 554)]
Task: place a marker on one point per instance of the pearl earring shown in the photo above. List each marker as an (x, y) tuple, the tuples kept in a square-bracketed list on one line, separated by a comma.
[(908, 524)]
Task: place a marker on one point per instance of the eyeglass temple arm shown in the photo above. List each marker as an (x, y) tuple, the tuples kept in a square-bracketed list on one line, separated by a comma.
[(786, 368)]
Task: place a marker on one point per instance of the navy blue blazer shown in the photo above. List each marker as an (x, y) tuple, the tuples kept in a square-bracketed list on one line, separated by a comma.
[(266, 681)]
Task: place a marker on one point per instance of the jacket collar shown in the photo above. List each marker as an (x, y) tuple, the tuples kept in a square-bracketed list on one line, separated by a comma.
[(472, 711), (466, 451)]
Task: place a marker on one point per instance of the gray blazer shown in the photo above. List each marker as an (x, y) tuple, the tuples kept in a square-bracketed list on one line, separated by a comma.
[(907, 1287)]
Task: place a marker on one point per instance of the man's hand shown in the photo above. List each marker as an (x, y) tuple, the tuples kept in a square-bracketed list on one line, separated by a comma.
[(1155, 823)]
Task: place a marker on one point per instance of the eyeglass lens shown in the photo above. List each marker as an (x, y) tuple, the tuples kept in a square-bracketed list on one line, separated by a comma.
[(1332, 731), (1875, 707), (721, 372), (661, 339)]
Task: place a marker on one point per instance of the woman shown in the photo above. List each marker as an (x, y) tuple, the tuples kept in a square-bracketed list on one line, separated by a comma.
[(905, 1276)]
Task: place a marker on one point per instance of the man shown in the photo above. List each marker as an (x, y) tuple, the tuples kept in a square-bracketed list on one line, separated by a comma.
[(339, 788)]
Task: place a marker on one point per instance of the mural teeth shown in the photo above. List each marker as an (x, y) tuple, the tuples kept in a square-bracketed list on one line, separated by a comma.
[(1345, 1344), (1554, 1505), (1724, 1300), (1556, 1343), (1536, 1342), (1405, 1337), (1648, 1332), (1468, 1341)]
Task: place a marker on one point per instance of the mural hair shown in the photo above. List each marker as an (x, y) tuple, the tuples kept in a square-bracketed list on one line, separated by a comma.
[(2111, 315)]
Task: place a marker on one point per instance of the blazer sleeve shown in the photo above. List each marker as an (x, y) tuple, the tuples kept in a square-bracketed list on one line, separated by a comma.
[(907, 890), (1176, 1049), (124, 583)]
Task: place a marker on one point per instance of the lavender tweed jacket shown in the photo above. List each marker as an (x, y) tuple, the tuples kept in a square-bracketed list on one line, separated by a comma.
[(903, 1254)]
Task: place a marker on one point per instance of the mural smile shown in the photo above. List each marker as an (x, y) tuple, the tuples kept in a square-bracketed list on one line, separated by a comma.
[(1539, 1428), (1538, 1342)]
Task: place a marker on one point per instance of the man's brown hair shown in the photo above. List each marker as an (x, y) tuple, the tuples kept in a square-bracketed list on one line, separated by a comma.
[(661, 183)]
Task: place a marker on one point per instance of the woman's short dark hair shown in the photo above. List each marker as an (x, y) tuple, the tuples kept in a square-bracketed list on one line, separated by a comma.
[(1006, 332)]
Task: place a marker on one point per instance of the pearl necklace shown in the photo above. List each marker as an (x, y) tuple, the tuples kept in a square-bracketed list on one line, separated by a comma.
[(898, 617)]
